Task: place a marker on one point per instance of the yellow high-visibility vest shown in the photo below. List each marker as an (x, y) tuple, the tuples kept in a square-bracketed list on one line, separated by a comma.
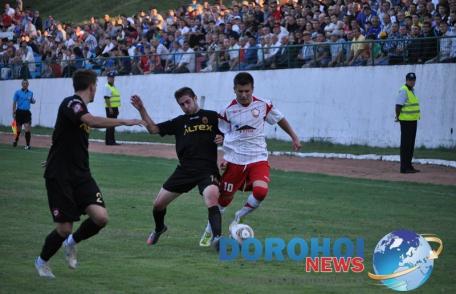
[(115, 96), (410, 111)]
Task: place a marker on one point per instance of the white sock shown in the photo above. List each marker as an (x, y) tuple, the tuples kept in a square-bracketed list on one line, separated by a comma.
[(250, 205), (208, 227), (70, 241), (40, 261)]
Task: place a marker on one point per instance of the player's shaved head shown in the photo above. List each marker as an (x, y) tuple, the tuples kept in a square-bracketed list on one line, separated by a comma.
[(243, 78)]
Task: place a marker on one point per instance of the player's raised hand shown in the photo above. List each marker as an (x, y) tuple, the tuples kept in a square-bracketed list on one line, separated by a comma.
[(136, 102), (218, 139), (296, 144), (134, 122)]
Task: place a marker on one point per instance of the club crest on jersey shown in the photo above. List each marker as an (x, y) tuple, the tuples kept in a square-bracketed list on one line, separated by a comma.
[(255, 112), (205, 120), (77, 107)]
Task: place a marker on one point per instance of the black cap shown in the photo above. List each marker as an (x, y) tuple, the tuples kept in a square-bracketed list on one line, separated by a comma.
[(410, 76)]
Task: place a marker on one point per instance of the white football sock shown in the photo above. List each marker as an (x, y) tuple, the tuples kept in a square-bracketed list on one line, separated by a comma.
[(40, 261), (70, 241), (250, 205)]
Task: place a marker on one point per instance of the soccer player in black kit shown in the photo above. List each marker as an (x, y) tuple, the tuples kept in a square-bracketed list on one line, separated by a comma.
[(197, 136), (70, 187)]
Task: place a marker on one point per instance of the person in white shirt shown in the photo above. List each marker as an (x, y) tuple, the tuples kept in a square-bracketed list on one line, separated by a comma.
[(187, 62), (233, 52), (245, 164)]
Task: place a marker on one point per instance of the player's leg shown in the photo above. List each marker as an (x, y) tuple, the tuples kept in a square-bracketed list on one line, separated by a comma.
[(28, 135), (18, 130), (51, 245), (258, 174), (211, 194), (64, 212), (163, 199), (90, 201), (232, 179)]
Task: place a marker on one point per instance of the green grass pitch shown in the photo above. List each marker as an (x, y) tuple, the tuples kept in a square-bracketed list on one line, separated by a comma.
[(299, 205)]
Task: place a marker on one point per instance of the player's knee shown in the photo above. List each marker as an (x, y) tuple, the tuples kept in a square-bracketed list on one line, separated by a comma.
[(211, 195), (260, 192), (64, 230), (101, 220), (159, 205)]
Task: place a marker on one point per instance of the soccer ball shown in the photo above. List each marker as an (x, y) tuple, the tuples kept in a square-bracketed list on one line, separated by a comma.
[(240, 232)]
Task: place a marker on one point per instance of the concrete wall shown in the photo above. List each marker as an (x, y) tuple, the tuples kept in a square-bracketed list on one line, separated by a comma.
[(347, 105)]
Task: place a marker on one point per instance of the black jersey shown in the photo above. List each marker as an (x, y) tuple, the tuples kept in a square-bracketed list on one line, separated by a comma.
[(68, 157), (195, 136)]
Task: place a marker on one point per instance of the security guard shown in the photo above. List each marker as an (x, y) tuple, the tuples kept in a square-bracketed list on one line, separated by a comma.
[(407, 114), (112, 104)]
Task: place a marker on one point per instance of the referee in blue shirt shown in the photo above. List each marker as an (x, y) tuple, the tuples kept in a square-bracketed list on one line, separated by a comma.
[(21, 112)]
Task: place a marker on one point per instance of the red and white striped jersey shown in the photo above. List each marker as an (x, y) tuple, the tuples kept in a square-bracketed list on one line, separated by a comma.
[(243, 128)]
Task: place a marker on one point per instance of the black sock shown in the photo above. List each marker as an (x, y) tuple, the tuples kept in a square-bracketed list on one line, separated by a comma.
[(17, 136), (215, 219), (27, 138), (159, 217), (51, 245), (86, 230)]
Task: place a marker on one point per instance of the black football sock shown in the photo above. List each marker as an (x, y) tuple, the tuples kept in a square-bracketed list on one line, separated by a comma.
[(51, 245), (159, 217), (27, 138), (86, 230), (215, 219), (17, 136)]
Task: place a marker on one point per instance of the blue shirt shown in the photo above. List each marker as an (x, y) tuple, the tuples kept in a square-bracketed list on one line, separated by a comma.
[(23, 99)]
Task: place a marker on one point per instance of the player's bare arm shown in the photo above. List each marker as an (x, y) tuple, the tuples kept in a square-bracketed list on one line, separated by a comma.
[(284, 125), (150, 124), (102, 122)]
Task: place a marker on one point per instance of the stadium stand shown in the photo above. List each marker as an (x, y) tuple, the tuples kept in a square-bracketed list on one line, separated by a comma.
[(247, 35)]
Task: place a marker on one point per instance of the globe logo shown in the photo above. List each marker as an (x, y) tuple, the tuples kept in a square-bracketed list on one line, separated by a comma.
[(404, 260)]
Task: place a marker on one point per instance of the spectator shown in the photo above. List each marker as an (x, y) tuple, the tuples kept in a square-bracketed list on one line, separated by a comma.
[(307, 52), (337, 49), (358, 49), (234, 53), (187, 62), (447, 45), (428, 43), (322, 55)]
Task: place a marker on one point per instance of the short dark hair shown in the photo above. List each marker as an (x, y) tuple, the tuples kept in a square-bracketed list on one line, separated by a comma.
[(243, 78), (83, 78), (184, 91)]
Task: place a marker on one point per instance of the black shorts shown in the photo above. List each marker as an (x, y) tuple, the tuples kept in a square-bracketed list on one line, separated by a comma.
[(68, 200), (23, 117), (183, 180)]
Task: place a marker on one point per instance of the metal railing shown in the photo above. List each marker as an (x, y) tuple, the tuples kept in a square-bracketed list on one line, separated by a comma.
[(327, 54)]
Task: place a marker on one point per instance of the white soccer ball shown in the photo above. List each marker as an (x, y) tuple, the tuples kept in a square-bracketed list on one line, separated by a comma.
[(240, 232)]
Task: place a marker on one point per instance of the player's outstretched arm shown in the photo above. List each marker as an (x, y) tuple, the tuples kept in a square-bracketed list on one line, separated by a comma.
[(284, 125), (150, 124), (103, 122)]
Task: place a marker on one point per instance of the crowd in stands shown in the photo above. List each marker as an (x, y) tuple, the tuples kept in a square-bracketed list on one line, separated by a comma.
[(239, 35)]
